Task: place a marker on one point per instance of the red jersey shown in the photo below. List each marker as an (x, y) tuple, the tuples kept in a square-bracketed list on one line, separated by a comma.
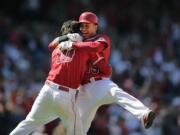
[(103, 39), (93, 70), (68, 67)]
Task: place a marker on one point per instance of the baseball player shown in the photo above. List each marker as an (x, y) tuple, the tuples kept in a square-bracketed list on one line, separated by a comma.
[(98, 90), (102, 90), (58, 95)]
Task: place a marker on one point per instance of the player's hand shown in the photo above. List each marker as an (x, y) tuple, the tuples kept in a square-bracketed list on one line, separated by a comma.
[(75, 37), (97, 57), (55, 41), (66, 45)]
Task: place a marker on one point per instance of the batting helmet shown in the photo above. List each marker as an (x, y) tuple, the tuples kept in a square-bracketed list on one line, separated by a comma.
[(88, 17)]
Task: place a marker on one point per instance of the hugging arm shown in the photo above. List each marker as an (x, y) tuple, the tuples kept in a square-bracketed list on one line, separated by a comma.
[(84, 46), (56, 41)]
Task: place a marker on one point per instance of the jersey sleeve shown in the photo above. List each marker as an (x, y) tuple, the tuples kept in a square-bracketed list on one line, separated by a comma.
[(103, 39), (92, 46)]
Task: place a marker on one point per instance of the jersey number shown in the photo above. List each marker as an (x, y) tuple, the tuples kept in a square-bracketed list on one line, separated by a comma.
[(65, 56)]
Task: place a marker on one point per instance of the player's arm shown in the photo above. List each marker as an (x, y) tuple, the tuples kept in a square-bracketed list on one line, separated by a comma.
[(97, 46), (100, 63), (74, 37), (56, 41), (92, 46), (83, 46)]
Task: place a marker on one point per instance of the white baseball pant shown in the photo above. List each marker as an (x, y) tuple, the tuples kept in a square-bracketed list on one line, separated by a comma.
[(97, 93), (50, 104)]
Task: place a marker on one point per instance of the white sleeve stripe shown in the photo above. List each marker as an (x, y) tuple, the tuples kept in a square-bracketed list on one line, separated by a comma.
[(99, 58)]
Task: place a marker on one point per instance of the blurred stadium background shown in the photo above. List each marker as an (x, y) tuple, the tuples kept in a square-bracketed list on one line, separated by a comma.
[(145, 56)]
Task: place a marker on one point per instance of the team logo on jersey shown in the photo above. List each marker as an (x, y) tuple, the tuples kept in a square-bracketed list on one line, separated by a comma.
[(65, 56)]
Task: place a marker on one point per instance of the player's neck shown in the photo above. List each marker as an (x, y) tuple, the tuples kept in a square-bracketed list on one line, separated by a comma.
[(90, 37)]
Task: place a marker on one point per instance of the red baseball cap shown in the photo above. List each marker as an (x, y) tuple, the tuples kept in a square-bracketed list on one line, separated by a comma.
[(88, 17)]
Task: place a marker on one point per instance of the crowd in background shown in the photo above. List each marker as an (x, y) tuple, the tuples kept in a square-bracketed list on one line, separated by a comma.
[(145, 56)]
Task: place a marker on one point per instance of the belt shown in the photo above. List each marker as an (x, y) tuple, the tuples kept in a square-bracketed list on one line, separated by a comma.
[(60, 87), (63, 88), (97, 78)]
